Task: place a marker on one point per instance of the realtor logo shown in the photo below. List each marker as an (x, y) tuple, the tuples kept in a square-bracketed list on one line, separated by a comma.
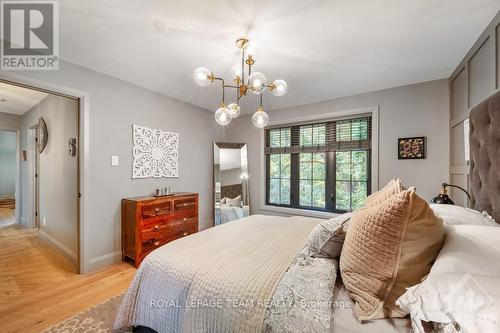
[(30, 35)]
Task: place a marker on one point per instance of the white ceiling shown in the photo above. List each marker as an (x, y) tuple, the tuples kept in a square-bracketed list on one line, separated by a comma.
[(18, 100), (323, 49), (229, 159)]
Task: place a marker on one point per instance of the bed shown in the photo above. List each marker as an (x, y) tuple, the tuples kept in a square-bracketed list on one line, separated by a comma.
[(226, 280), (231, 213), (255, 275)]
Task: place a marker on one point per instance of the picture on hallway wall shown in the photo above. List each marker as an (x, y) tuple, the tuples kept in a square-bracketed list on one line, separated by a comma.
[(411, 148), (155, 153)]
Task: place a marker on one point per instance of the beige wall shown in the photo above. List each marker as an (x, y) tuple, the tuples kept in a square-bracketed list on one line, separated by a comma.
[(414, 110), (475, 78), (10, 121), (58, 174)]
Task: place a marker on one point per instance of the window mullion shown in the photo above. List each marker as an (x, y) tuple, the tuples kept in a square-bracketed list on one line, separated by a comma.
[(330, 181), (294, 167)]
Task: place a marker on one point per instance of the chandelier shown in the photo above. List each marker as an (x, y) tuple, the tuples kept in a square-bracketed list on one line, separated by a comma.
[(256, 83)]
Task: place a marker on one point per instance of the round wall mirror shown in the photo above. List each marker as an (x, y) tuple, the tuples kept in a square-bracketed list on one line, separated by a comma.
[(43, 135)]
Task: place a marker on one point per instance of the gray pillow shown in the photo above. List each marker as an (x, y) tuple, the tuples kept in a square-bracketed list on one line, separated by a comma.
[(327, 238)]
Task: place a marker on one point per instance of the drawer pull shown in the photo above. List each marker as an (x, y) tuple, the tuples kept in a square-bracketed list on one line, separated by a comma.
[(185, 219), (157, 209), (185, 204), (157, 227), (156, 243), (186, 233)]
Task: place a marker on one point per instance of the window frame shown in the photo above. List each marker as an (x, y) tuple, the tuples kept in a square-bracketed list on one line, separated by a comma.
[(372, 162)]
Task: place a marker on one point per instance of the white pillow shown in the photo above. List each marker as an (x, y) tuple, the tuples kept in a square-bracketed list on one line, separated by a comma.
[(235, 202), (455, 215), (463, 286)]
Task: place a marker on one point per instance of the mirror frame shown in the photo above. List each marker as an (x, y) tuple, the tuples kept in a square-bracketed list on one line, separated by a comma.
[(223, 145)]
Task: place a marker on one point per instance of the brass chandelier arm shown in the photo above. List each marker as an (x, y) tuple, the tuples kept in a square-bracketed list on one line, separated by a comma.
[(243, 66), (223, 90)]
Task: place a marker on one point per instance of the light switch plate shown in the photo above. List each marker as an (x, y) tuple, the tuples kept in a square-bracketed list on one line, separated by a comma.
[(115, 160)]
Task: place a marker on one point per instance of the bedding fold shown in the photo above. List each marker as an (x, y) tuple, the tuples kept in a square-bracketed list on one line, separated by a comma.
[(219, 280)]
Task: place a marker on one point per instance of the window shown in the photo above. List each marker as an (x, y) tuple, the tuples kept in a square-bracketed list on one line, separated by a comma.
[(323, 166)]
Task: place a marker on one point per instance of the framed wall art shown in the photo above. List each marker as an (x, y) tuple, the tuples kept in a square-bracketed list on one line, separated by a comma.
[(411, 148)]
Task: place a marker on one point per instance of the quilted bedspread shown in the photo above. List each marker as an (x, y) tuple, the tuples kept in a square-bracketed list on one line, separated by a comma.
[(218, 280)]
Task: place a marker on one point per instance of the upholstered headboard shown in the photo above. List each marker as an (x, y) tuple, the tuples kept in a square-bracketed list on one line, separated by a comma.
[(485, 156)]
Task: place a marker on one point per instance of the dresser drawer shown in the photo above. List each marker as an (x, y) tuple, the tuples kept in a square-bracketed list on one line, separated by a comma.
[(164, 233), (155, 230), (157, 209), (182, 227), (192, 229), (185, 205), (152, 244)]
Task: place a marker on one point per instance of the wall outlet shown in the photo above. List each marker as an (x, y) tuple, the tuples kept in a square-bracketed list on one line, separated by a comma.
[(44, 222), (115, 160)]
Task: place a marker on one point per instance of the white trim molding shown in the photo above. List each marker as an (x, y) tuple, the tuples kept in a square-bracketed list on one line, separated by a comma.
[(104, 260), (338, 115), (70, 255)]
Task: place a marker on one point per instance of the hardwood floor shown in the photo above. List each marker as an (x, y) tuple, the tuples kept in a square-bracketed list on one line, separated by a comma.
[(39, 288), (7, 216)]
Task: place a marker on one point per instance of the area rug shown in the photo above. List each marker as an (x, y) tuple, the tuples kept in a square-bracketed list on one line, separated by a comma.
[(98, 319)]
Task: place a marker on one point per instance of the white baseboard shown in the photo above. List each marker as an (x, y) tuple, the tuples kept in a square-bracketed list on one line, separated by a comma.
[(67, 253), (104, 260), (23, 221)]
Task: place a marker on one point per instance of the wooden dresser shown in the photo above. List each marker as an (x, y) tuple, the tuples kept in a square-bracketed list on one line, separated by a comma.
[(150, 222)]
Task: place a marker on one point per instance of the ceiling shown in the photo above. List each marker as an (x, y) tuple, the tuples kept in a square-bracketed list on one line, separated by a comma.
[(323, 49), (18, 100)]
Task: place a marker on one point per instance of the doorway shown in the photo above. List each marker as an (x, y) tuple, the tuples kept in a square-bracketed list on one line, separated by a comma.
[(46, 127)]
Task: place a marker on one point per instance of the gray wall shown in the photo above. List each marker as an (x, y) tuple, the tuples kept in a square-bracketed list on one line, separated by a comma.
[(414, 110), (230, 177), (7, 163), (475, 78), (114, 106), (10, 121), (58, 173)]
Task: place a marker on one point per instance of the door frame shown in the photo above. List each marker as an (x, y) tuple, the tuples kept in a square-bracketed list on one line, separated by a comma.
[(32, 202), (83, 152)]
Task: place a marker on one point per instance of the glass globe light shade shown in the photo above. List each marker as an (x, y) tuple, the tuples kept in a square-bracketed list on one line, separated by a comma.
[(234, 110), (202, 76), (260, 118), (251, 50), (236, 71), (280, 88), (223, 116), (257, 83)]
